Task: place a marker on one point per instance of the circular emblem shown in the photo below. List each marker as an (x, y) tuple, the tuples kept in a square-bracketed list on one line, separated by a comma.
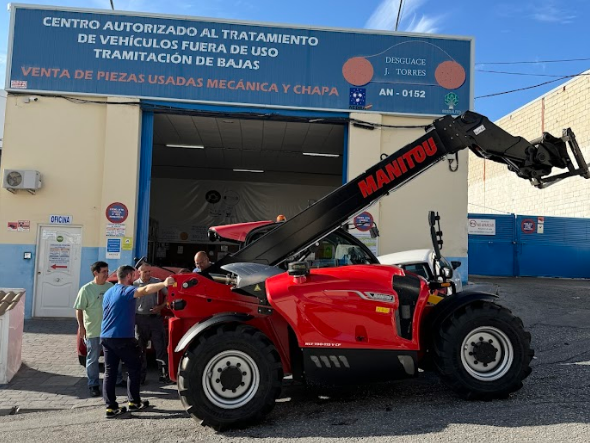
[(213, 197), (528, 226), (363, 222), (358, 71), (450, 74), (60, 238), (117, 212)]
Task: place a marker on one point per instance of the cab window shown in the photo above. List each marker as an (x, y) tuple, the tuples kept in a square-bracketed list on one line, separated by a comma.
[(336, 250), (417, 268)]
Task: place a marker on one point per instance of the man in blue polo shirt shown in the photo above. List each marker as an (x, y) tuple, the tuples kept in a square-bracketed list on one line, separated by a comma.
[(118, 338)]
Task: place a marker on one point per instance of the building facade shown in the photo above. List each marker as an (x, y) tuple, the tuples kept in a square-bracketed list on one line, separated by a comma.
[(139, 154)]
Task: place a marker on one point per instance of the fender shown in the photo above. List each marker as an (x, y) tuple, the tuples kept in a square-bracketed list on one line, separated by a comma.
[(446, 307), (200, 327)]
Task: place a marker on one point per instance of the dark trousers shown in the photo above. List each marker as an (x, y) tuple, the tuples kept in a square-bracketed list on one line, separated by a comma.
[(116, 350), (151, 327)]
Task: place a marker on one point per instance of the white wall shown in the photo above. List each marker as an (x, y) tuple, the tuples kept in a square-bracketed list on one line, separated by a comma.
[(402, 216)]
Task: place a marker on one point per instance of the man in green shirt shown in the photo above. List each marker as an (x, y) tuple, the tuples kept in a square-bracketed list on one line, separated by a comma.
[(88, 306)]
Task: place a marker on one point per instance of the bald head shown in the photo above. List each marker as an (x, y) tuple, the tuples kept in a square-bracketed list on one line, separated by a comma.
[(202, 260)]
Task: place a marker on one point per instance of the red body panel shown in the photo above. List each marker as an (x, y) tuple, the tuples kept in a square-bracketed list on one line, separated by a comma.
[(239, 231), (331, 307), (208, 298)]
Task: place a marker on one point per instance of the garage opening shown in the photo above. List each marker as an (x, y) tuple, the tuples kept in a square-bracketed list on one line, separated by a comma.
[(210, 169)]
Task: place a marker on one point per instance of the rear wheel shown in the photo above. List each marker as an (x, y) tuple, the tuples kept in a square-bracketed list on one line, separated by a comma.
[(483, 352), (231, 378)]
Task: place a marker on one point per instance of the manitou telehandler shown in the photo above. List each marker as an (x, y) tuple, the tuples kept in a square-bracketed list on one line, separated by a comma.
[(303, 299)]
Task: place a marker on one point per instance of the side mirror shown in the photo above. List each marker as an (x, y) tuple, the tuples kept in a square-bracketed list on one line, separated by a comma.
[(456, 264), (446, 272)]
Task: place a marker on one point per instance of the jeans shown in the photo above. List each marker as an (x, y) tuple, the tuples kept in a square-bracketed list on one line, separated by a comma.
[(117, 350), (93, 349), (92, 353)]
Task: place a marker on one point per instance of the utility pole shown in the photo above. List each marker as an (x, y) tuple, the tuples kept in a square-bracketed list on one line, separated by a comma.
[(399, 13), (112, 5)]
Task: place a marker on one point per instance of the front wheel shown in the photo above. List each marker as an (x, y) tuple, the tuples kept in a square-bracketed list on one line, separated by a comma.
[(231, 378), (482, 352)]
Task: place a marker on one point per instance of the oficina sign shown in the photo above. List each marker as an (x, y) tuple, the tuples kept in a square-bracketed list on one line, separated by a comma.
[(127, 54)]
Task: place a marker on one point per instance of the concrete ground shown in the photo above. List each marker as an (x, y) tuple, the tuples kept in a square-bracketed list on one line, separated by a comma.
[(554, 405)]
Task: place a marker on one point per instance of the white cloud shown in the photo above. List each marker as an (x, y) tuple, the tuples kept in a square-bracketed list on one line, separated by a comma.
[(549, 12), (545, 11), (211, 8), (385, 16)]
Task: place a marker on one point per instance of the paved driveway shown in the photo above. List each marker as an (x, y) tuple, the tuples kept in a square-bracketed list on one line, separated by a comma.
[(51, 376), (554, 405)]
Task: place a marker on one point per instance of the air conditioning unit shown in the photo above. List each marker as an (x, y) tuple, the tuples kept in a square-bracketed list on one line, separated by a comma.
[(15, 179)]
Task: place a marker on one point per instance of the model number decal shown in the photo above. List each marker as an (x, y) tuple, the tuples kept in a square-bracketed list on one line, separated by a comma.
[(379, 296), (325, 345), (373, 296)]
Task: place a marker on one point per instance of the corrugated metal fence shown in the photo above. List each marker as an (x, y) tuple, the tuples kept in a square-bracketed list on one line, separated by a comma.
[(525, 245)]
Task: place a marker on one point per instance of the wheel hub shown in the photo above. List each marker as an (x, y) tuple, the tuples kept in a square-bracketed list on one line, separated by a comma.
[(231, 379), (487, 353), (484, 352)]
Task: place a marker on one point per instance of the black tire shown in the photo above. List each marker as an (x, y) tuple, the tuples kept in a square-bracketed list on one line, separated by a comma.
[(230, 347), (482, 352), (82, 360)]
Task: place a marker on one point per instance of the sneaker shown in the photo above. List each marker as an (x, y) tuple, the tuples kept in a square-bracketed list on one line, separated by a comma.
[(114, 412), (94, 391), (138, 406)]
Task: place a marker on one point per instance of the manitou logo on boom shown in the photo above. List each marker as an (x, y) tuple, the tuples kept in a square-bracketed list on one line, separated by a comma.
[(397, 167)]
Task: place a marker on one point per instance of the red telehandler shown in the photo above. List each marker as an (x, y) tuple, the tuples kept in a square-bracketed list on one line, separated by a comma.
[(263, 312)]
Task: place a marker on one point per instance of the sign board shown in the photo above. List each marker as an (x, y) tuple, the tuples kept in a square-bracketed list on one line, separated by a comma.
[(117, 212), (116, 53), (363, 222), (481, 226), (113, 248), (60, 219), (127, 244), (528, 226), (115, 230), (59, 256), (370, 242), (24, 225)]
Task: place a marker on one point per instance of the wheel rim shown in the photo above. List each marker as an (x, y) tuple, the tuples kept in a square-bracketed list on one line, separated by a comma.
[(231, 379), (487, 353)]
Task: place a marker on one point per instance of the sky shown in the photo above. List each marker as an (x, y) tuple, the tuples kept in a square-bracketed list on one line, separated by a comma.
[(506, 32)]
